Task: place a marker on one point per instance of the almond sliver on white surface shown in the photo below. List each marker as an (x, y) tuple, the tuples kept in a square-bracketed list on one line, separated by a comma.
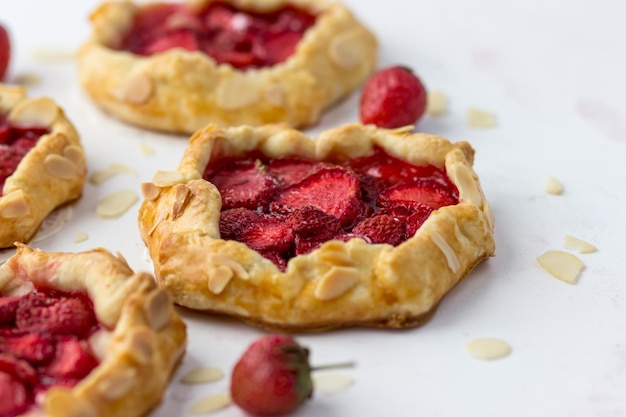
[(578, 245), (488, 348), (202, 376), (210, 404), (553, 186), (331, 383), (116, 204), (561, 265)]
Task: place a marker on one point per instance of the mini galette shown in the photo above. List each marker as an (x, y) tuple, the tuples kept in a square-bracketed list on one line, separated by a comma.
[(82, 335), (42, 163), (178, 67), (360, 226)]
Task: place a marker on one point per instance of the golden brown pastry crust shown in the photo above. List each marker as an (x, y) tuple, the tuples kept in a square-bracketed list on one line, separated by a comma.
[(146, 338), (181, 91), (50, 174), (339, 284)]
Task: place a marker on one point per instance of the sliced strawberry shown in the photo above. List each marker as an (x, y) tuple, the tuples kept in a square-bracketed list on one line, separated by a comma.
[(8, 309), (334, 191), (244, 184), (218, 17), (312, 222), (18, 368), (5, 133), (72, 359), (34, 347), (277, 258), (290, 170), (39, 312), (381, 228), (14, 396), (276, 47), (416, 220), (182, 38), (233, 221), (426, 192), (5, 52), (270, 233)]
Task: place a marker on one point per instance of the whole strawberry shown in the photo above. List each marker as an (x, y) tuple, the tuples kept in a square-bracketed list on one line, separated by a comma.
[(393, 97), (5, 51), (272, 377)]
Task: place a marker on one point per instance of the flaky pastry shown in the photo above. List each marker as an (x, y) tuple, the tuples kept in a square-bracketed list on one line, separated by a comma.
[(182, 90), (341, 283), (138, 344), (52, 173)]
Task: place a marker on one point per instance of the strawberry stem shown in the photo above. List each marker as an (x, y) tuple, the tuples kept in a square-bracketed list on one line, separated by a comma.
[(350, 364)]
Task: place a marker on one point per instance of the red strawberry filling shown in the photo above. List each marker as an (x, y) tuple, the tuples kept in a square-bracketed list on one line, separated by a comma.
[(287, 207), (15, 142), (43, 343), (243, 39)]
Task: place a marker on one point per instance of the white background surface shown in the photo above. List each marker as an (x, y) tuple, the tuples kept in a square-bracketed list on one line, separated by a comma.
[(553, 73)]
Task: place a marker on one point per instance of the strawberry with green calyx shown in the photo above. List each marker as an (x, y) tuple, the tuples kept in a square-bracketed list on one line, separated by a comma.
[(273, 376)]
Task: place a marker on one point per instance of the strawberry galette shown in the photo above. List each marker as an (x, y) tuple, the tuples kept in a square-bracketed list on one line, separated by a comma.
[(361, 226), (42, 163), (82, 335), (178, 67)]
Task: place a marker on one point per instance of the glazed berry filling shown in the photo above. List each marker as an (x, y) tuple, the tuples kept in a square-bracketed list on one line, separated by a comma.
[(240, 38), (43, 343), (287, 207), (15, 142)]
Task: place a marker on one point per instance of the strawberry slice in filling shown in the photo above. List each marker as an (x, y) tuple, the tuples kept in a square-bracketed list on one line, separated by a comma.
[(15, 142), (287, 207), (243, 39), (44, 342)]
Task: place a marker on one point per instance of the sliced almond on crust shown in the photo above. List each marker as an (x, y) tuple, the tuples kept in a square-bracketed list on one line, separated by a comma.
[(202, 376), (579, 245), (141, 346), (157, 308), (41, 111), (167, 178), (237, 92), (60, 167), (225, 260), (463, 178), (561, 265), (137, 89), (150, 191), (219, 277), (348, 49), (444, 247), (182, 198), (74, 153), (117, 385), (336, 282), (14, 205)]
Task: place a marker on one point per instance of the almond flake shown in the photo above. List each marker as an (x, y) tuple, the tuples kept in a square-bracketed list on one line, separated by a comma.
[(137, 89), (116, 204), (167, 178), (116, 386), (146, 149), (437, 104), (219, 277), (75, 154), (13, 205), (349, 49), (480, 119), (579, 245), (157, 307), (102, 175), (562, 265), (202, 376), (150, 191), (225, 260), (210, 404), (52, 54), (182, 198), (236, 92), (463, 178), (331, 383), (60, 167), (336, 282), (553, 186), (41, 111), (453, 260), (488, 348)]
